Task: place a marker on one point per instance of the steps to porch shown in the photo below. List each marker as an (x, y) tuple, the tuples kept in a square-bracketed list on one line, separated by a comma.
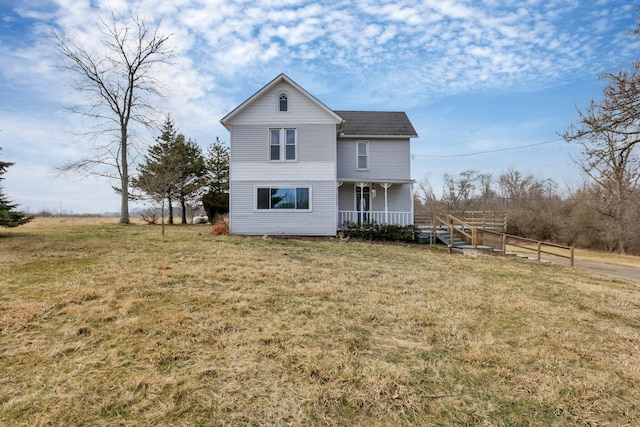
[(484, 231), (443, 236)]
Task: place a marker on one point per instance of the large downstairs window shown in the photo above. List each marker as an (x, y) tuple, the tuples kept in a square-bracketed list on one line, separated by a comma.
[(283, 198), (282, 144)]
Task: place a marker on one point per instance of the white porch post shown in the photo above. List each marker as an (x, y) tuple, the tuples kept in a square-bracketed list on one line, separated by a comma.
[(412, 214), (386, 186), (338, 185), (361, 185)]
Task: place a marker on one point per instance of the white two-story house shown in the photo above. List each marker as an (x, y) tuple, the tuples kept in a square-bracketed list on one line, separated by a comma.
[(299, 168)]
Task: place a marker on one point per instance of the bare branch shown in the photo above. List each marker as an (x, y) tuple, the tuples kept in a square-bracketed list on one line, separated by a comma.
[(608, 133)]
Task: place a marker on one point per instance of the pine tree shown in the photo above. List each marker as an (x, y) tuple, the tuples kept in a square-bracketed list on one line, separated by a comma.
[(156, 176), (173, 170), (188, 155), (216, 201), (9, 216)]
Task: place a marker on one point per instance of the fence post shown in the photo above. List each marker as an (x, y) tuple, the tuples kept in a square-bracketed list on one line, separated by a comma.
[(451, 234), (539, 245), (572, 256), (432, 237)]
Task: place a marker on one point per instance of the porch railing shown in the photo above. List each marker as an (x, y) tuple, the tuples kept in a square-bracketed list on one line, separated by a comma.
[(379, 217)]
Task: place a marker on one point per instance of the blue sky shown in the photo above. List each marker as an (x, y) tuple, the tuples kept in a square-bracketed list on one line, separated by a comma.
[(474, 76)]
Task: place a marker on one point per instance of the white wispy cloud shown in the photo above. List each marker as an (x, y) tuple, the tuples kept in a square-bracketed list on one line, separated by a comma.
[(448, 46), (366, 54)]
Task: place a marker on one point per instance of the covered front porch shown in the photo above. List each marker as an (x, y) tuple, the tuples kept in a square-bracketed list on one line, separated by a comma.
[(379, 201)]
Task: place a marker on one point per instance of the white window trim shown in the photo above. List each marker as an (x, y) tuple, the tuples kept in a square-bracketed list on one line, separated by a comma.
[(358, 155), (270, 187), (283, 145)]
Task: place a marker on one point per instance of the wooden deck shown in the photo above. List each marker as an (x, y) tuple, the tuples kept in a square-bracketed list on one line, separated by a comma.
[(484, 230)]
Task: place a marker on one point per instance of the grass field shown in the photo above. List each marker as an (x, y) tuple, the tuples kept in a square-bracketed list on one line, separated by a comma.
[(103, 324)]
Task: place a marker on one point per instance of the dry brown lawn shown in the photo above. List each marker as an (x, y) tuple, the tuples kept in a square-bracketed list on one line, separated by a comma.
[(103, 324)]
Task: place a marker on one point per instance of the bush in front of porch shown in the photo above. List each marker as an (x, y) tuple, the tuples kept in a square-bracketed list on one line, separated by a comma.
[(380, 232)]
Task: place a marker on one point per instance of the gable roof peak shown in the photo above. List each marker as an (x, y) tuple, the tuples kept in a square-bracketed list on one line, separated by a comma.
[(282, 77)]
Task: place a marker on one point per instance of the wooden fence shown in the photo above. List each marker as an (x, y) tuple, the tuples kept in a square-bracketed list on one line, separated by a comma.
[(488, 228), (502, 240)]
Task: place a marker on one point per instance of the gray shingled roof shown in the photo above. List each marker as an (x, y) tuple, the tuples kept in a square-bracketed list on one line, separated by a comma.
[(376, 123)]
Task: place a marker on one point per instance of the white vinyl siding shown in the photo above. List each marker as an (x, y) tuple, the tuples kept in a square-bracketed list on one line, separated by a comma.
[(312, 143), (318, 221), (248, 144), (277, 171), (301, 110), (387, 159), (315, 168)]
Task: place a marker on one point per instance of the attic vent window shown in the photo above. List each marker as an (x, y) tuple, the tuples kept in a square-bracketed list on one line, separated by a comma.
[(283, 102)]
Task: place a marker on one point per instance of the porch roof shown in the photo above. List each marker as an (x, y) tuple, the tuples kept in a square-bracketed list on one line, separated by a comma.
[(377, 180)]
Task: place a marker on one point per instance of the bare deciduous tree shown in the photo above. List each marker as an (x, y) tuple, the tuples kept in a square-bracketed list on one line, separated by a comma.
[(119, 83), (608, 133), (518, 187), (459, 191)]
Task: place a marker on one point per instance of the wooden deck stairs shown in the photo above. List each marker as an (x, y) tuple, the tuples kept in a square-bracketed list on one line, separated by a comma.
[(459, 230), (442, 236), (484, 231)]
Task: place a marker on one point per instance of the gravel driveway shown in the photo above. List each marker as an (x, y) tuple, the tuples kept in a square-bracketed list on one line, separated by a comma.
[(613, 270), (619, 271)]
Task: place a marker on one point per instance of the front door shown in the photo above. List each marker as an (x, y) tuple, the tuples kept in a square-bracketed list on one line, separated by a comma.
[(363, 205)]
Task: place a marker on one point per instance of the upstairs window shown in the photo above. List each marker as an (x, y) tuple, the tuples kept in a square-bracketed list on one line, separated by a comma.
[(282, 144), (274, 144), (283, 102), (362, 155), (290, 144)]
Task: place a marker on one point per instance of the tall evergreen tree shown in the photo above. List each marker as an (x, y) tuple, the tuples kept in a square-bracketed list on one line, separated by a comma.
[(9, 216), (156, 176), (173, 170), (188, 155), (216, 200)]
